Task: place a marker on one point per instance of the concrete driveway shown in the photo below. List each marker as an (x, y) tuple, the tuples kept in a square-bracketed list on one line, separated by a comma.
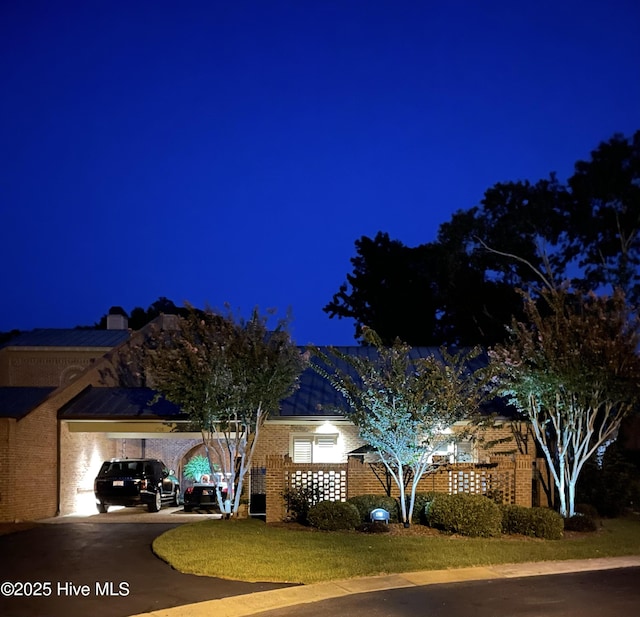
[(139, 514)]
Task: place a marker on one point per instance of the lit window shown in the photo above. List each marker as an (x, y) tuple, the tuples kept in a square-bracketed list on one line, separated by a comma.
[(315, 449), (302, 449)]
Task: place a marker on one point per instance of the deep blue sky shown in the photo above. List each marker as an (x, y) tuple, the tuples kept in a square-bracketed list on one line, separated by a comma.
[(224, 151)]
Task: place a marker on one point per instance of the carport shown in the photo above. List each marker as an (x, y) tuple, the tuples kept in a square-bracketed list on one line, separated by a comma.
[(101, 423)]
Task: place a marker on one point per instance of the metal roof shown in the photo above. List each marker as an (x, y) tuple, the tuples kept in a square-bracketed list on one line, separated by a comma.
[(317, 397), (119, 404), (70, 337), (17, 402)]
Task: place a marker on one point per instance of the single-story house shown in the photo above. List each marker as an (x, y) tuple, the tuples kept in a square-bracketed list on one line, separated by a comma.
[(66, 404)]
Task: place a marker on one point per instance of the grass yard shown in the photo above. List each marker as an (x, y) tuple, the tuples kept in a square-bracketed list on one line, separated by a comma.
[(250, 550)]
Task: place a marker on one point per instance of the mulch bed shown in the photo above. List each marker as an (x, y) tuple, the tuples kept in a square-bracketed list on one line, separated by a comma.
[(397, 529)]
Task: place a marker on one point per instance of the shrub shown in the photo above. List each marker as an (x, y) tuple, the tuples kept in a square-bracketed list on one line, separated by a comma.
[(196, 467), (613, 486), (580, 522), (588, 509), (422, 502), (334, 516), (366, 503), (534, 522), (299, 501), (469, 515)]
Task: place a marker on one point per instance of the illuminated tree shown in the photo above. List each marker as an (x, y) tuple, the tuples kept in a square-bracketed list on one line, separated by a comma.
[(228, 375), (403, 405), (573, 371)]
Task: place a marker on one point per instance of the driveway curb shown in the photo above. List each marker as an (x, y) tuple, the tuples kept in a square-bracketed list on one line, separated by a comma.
[(241, 606)]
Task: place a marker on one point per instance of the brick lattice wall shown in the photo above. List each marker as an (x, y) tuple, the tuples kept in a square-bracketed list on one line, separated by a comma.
[(510, 475)]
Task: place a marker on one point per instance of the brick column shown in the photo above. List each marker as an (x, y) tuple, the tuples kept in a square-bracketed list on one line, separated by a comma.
[(275, 510), (523, 480)]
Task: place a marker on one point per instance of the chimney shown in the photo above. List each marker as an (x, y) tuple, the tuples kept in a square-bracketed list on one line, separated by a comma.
[(117, 319)]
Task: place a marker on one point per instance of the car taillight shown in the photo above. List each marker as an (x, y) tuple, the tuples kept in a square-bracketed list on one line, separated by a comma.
[(189, 491)]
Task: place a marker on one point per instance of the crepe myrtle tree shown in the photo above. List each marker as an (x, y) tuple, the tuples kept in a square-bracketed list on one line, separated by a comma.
[(228, 375), (404, 406), (572, 369)]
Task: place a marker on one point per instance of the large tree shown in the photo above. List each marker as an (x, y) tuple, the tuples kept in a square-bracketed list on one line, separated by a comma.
[(604, 221), (390, 291), (461, 288), (228, 375), (404, 405), (572, 368)]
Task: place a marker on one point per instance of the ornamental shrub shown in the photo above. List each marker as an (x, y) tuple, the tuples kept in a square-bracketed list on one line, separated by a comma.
[(469, 515), (366, 503), (299, 501), (534, 522), (588, 509), (334, 516), (196, 467), (580, 522), (422, 503)]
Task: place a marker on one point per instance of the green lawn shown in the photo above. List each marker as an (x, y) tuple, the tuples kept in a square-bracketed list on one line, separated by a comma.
[(250, 550)]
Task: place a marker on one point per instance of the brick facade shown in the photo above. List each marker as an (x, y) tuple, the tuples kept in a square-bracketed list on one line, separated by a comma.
[(275, 437), (64, 460), (33, 448), (51, 367), (509, 477)]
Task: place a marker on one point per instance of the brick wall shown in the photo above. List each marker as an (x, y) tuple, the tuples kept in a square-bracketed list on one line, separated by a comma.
[(31, 367), (7, 430), (33, 452), (84, 452), (29, 458), (82, 455), (510, 476)]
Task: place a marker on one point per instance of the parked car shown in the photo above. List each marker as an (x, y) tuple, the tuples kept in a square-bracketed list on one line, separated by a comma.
[(133, 482), (202, 495)]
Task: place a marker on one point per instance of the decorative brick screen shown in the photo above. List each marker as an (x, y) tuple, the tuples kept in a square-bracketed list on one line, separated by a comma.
[(324, 483), (494, 483), (505, 479)]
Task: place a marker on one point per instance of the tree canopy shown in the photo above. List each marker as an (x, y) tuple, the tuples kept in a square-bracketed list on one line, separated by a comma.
[(461, 288), (572, 369), (228, 375), (403, 405), (140, 317)]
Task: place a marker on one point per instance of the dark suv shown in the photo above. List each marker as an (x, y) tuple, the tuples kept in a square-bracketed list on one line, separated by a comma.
[(135, 481)]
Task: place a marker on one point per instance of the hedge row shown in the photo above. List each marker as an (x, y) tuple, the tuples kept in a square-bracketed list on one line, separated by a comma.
[(535, 522), (464, 514)]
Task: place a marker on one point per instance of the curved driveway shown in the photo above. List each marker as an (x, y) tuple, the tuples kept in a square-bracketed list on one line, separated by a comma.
[(76, 556), (98, 558)]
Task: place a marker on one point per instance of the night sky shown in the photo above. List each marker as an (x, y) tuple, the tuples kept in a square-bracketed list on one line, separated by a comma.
[(224, 151)]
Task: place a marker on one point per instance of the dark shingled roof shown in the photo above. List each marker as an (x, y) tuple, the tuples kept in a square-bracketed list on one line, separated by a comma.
[(60, 337), (17, 402), (119, 404)]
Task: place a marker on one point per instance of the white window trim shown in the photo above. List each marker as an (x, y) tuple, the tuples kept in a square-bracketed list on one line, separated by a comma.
[(319, 444)]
